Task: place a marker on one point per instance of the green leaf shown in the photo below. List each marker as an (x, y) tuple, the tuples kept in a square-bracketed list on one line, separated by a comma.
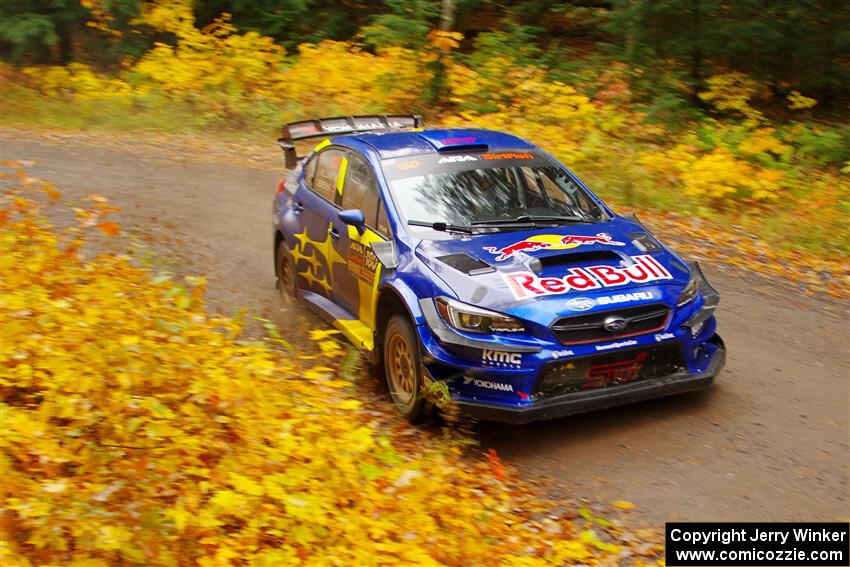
[(371, 472)]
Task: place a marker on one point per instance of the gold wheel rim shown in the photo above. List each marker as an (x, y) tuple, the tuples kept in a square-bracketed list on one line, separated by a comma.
[(400, 369)]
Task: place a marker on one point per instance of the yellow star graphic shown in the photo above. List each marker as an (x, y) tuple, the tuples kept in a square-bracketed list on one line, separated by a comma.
[(316, 272)]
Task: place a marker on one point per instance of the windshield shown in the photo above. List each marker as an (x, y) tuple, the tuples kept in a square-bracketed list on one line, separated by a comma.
[(483, 189)]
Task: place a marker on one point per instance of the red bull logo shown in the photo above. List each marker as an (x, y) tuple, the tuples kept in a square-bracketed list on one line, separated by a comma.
[(643, 269), (552, 242)]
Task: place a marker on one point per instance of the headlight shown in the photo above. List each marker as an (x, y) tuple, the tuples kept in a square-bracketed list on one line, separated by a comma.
[(710, 299), (474, 319), (691, 290)]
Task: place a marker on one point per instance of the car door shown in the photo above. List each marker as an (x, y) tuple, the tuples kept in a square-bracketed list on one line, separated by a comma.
[(357, 280), (315, 203)]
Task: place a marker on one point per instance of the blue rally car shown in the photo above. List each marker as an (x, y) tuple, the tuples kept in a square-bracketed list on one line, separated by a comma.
[(473, 257)]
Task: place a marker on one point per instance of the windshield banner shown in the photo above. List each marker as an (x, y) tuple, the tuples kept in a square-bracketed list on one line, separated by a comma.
[(435, 163)]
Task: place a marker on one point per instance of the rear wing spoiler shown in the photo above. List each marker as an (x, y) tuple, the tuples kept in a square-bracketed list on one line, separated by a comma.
[(325, 127)]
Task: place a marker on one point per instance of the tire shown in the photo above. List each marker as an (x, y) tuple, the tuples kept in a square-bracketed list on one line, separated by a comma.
[(285, 271), (403, 369)]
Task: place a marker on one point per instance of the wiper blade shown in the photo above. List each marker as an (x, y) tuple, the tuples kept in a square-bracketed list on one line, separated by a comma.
[(442, 226), (557, 218), (532, 219)]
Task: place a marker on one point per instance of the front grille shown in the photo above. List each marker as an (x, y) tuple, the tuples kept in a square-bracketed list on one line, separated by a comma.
[(609, 370), (590, 327)]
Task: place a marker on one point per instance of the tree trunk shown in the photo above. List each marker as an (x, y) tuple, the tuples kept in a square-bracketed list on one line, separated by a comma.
[(447, 15), (696, 51), (66, 43), (828, 74)]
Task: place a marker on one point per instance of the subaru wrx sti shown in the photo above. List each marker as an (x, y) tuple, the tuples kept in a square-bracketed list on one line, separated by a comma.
[(474, 258)]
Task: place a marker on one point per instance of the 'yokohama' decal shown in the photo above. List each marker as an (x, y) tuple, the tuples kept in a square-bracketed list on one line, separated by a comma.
[(645, 269)]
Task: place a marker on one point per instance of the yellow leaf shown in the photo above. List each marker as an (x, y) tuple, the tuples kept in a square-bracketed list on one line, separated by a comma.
[(89, 562), (180, 516), (245, 485), (228, 500), (320, 334)]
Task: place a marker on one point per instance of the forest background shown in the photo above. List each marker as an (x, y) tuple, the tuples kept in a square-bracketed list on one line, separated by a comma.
[(731, 112)]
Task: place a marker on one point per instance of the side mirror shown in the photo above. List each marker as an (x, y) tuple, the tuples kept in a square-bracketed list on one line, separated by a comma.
[(355, 218)]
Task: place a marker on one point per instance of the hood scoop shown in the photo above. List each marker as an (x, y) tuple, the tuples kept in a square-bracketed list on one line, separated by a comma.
[(576, 258), (466, 264)]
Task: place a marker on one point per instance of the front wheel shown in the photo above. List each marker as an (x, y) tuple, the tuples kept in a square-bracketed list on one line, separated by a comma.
[(403, 370)]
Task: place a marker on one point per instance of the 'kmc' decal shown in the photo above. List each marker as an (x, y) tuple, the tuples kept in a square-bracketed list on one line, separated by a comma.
[(499, 358), (644, 269)]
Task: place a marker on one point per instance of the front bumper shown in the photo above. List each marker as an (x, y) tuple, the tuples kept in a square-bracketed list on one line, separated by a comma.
[(601, 398)]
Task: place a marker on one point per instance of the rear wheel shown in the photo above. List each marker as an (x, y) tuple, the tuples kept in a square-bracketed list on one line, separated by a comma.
[(286, 285), (403, 370)]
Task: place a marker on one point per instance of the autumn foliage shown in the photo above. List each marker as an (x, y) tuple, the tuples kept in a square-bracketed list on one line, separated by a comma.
[(783, 182), (140, 429)]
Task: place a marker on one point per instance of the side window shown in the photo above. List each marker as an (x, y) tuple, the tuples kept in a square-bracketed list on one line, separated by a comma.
[(310, 169), (324, 181), (383, 226), (360, 191)]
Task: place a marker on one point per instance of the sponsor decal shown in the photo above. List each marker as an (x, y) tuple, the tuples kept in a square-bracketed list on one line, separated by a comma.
[(499, 358), (457, 159), (361, 126), (522, 246), (551, 242), (663, 337), (408, 165), (644, 269), (620, 344), (585, 303), (362, 261), (468, 140), (298, 130), (625, 297), (507, 155), (490, 385), (601, 375), (556, 354)]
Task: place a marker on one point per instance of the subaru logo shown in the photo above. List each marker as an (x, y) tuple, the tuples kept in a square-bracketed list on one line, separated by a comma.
[(614, 323), (581, 303)]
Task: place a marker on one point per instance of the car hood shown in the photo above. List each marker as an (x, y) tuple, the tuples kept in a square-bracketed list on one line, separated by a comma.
[(501, 270)]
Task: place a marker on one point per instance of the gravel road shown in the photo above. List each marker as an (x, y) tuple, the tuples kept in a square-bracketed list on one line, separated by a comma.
[(769, 442)]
